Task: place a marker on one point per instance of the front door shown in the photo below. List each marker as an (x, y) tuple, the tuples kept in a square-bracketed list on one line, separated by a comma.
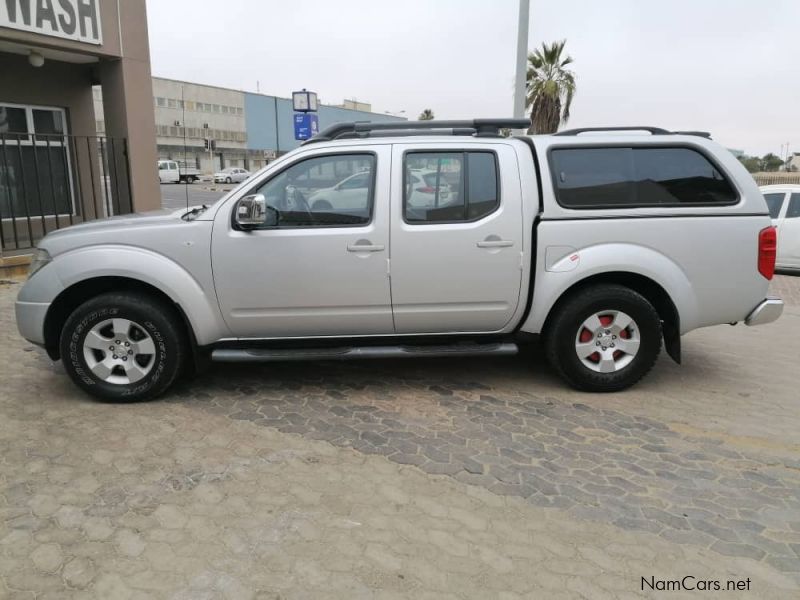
[(456, 238), (322, 271)]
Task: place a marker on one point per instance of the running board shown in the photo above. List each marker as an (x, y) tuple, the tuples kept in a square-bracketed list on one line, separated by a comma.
[(359, 352)]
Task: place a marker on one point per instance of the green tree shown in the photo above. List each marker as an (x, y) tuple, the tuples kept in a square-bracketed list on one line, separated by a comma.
[(751, 163), (426, 115), (550, 87), (770, 162)]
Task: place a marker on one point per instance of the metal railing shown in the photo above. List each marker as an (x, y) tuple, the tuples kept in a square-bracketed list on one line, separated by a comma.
[(51, 181)]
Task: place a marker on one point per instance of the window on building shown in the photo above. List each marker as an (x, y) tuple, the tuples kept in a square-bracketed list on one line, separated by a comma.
[(215, 108), (224, 110), (35, 172), (190, 105), (13, 120), (446, 187), (162, 102), (172, 103), (617, 177), (319, 192), (774, 204), (47, 121)]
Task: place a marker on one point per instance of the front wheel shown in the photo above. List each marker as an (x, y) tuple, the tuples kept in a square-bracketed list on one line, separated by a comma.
[(604, 338), (228, 180), (123, 346)]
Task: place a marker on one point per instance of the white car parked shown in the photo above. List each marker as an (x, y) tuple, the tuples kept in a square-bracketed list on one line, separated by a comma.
[(349, 192), (231, 175), (783, 202)]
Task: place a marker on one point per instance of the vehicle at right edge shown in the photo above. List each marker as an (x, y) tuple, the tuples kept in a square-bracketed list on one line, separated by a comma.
[(783, 202)]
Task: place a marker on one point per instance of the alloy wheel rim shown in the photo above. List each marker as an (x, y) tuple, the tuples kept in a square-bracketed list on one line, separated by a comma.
[(119, 351), (607, 341)]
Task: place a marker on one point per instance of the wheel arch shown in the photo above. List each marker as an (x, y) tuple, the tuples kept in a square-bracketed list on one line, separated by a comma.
[(647, 287), (78, 293)]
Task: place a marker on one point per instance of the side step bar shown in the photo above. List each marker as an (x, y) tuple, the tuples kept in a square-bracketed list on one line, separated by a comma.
[(358, 352)]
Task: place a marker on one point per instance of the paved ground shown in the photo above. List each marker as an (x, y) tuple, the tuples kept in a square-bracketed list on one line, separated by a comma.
[(407, 479), (174, 195)]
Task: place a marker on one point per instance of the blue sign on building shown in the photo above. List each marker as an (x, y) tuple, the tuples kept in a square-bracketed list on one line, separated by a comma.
[(306, 125)]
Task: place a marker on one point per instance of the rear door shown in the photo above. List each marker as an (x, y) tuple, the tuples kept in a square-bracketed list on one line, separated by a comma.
[(456, 246)]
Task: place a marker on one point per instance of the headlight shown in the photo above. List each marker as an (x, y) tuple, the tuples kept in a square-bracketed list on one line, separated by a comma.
[(40, 259)]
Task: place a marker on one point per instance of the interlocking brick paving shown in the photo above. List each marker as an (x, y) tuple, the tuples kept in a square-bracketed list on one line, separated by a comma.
[(406, 479), (594, 463)]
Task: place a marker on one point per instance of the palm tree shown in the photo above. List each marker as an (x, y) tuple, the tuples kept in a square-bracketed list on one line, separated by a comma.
[(426, 115), (550, 87)]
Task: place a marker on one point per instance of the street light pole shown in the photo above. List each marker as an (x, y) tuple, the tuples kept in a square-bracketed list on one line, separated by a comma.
[(522, 59)]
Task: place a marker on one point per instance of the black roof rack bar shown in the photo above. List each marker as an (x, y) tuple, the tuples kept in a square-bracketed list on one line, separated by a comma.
[(479, 127), (652, 130), (704, 134), (405, 132)]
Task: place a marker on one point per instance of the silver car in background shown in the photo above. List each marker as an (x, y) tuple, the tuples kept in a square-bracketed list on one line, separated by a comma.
[(231, 175)]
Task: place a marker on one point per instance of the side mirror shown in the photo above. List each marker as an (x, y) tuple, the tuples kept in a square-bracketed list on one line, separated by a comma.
[(252, 211)]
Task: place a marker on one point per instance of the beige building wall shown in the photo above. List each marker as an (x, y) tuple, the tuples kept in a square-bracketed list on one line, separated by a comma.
[(121, 65)]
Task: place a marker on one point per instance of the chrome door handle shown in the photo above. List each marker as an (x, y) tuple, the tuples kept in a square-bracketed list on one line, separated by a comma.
[(495, 244), (365, 247)]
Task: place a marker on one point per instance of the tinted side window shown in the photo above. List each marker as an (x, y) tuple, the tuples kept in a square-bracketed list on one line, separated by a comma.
[(449, 187), (309, 194), (679, 176), (774, 204), (626, 177), (794, 207), (593, 177)]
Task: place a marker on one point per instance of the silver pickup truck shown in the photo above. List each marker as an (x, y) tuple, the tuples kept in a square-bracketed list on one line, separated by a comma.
[(418, 239)]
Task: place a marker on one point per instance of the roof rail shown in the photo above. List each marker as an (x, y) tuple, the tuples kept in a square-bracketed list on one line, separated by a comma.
[(652, 130), (363, 129)]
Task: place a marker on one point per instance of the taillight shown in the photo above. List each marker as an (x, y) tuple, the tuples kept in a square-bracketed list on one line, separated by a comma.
[(767, 251), (427, 190)]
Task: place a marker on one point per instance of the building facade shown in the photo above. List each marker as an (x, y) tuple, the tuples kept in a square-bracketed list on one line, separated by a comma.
[(54, 169), (248, 129)]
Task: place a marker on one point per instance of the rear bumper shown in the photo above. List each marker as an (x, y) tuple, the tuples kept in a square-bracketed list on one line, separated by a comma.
[(767, 311)]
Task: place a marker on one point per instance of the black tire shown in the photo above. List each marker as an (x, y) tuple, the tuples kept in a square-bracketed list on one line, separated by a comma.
[(566, 324), (190, 179), (159, 320), (228, 180)]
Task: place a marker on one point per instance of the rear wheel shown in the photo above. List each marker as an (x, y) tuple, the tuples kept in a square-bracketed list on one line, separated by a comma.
[(604, 338), (123, 346)]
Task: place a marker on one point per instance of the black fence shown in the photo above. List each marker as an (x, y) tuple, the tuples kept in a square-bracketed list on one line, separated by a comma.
[(48, 182)]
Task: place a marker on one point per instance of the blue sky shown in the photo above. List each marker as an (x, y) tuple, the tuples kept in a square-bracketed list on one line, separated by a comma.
[(725, 66)]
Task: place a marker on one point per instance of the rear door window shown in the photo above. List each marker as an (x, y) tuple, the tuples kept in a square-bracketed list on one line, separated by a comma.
[(774, 204), (618, 177), (450, 187)]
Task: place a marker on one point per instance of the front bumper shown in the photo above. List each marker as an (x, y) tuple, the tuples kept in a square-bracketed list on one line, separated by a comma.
[(767, 311), (30, 320)]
